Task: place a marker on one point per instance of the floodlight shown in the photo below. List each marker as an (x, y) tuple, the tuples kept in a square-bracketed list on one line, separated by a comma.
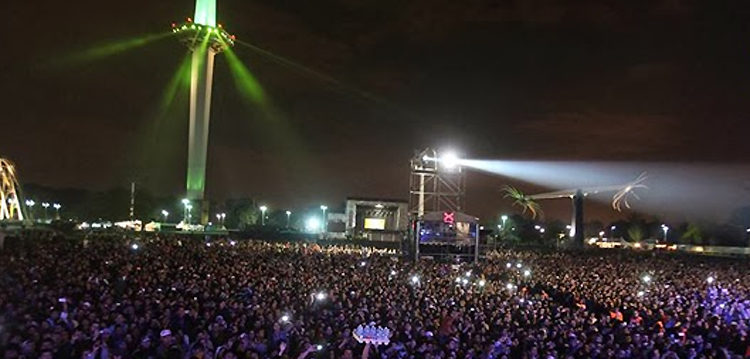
[(312, 224), (449, 159)]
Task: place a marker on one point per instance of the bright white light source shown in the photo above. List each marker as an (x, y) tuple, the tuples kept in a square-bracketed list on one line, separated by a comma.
[(458, 279), (464, 281), (526, 273), (449, 159), (312, 224), (468, 274), (710, 280), (362, 263), (232, 242), (415, 279), (393, 272), (641, 293), (482, 282), (320, 296), (284, 318), (134, 246), (319, 347), (646, 278), (508, 265), (518, 265)]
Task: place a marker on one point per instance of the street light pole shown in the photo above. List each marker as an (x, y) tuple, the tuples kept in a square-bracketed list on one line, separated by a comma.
[(57, 207), (45, 205), (165, 214), (263, 210), (666, 229), (30, 203), (185, 204), (288, 216), (324, 208)]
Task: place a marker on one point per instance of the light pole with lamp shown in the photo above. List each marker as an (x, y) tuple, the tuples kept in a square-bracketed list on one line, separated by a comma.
[(665, 228), (57, 207), (165, 214), (185, 204), (45, 205), (189, 208), (288, 217), (324, 208), (30, 203), (263, 210)]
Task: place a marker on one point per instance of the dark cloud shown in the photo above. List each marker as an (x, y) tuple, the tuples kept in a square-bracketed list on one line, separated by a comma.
[(557, 79)]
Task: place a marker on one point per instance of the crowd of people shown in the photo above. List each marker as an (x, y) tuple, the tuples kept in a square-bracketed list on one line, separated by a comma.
[(176, 297)]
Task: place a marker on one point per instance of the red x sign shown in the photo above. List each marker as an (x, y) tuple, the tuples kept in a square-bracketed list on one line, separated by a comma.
[(449, 217)]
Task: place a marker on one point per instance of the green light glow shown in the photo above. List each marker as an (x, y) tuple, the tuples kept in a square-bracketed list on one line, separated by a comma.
[(304, 70), (114, 48), (245, 82), (205, 12)]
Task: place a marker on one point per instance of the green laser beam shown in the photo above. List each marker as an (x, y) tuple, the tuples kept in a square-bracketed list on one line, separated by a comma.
[(309, 72), (156, 142), (244, 80), (179, 81), (114, 48)]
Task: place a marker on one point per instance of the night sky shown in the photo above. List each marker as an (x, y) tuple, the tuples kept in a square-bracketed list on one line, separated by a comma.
[(640, 80)]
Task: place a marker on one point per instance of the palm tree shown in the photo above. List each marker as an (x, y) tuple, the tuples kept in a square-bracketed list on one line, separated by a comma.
[(693, 234), (525, 202), (635, 233)]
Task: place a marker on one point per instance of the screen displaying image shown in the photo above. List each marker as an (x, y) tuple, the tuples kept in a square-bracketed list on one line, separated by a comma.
[(375, 223)]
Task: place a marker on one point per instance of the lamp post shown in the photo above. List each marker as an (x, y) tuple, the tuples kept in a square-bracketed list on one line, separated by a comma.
[(189, 208), (504, 218), (665, 228), (185, 204), (165, 214), (263, 210), (223, 218), (30, 203), (288, 217), (45, 205), (612, 231), (324, 208), (57, 207)]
